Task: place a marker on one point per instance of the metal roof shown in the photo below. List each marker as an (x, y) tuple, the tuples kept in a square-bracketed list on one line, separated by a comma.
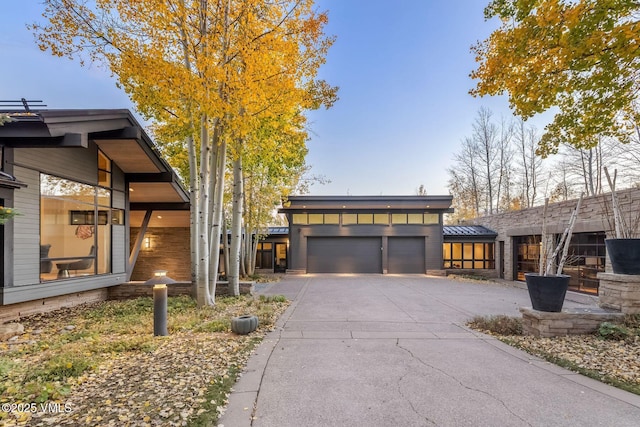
[(467, 231), (278, 230)]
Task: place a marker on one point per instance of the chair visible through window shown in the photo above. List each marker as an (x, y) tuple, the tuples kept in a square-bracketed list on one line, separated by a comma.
[(83, 264)]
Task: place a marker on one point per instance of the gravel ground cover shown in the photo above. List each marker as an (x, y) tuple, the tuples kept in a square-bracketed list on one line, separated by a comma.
[(100, 365)]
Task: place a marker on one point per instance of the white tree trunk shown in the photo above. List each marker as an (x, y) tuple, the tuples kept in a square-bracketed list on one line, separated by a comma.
[(236, 228), (202, 277), (217, 223)]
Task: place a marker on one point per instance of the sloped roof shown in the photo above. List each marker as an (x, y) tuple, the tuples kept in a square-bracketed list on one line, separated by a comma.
[(468, 231), (153, 182)]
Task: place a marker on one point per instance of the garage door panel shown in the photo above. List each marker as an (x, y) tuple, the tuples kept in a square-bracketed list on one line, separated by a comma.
[(344, 255), (406, 255)]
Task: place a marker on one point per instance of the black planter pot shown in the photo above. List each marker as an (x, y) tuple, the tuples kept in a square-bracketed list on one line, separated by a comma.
[(547, 292), (624, 255)]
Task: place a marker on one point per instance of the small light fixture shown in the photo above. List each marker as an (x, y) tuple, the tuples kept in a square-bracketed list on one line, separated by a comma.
[(147, 242), (160, 278)]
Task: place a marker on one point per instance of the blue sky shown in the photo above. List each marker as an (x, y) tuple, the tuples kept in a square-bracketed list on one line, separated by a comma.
[(402, 67)]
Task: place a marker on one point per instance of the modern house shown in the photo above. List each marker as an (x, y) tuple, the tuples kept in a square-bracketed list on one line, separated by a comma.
[(77, 178), (98, 206)]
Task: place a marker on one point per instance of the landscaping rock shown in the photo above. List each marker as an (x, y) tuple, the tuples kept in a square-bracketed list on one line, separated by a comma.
[(10, 330)]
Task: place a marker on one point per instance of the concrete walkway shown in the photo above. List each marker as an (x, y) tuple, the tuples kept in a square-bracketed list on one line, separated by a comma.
[(392, 350)]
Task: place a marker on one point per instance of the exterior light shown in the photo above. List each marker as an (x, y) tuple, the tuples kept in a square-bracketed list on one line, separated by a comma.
[(160, 310), (160, 278)]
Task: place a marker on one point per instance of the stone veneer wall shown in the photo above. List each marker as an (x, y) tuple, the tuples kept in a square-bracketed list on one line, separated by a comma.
[(169, 251), (568, 322), (620, 292), (591, 218)]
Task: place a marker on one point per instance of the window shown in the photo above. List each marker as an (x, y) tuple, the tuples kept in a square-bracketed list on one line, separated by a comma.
[(398, 218), (468, 255), (587, 257), (431, 218), (365, 218), (528, 253), (381, 218), (349, 218), (300, 219), (104, 170), (75, 227), (315, 218), (414, 218), (332, 218)]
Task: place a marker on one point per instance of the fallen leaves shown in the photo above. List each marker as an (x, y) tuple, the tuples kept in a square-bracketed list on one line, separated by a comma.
[(619, 360), (139, 380)]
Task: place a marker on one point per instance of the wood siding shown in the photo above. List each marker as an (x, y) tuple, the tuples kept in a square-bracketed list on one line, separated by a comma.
[(26, 236)]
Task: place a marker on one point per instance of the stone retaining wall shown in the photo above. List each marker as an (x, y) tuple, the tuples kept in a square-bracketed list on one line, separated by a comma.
[(576, 321), (620, 292)]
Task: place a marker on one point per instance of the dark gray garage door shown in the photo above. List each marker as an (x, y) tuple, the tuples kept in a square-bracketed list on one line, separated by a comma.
[(344, 255), (406, 255)]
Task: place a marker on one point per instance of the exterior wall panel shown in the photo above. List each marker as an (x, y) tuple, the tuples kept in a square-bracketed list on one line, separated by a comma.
[(120, 254), (80, 164), (26, 243)]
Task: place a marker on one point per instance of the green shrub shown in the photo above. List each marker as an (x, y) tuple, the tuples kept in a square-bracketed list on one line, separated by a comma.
[(612, 331), (272, 298), (500, 324)]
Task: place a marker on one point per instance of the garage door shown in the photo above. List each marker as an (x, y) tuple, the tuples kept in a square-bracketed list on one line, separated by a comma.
[(406, 255), (344, 255)]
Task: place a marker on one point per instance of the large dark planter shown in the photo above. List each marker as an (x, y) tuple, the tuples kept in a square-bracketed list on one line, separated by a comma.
[(624, 255), (547, 292)]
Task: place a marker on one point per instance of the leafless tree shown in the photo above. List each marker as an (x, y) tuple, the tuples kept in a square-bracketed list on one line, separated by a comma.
[(464, 182), (530, 165), (485, 141)]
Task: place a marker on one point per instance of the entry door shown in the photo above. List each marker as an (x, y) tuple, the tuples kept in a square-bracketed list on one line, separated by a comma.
[(280, 252)]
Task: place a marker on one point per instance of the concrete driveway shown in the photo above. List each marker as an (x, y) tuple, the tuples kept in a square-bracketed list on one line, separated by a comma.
[(393, 350)]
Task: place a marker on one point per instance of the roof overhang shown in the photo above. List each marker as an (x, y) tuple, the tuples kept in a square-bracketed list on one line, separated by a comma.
[(387, 203), (152, 181)]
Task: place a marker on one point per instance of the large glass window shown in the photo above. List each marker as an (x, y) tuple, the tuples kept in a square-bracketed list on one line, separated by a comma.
[(75, 228), (587, 257), (528, 253), (468, 255)]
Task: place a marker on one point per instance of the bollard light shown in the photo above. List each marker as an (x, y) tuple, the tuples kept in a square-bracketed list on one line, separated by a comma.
[(160, 310), (160, 278)]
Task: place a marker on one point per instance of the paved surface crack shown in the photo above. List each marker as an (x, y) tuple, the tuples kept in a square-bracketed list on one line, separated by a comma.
[(460, 382), (408, 399)]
